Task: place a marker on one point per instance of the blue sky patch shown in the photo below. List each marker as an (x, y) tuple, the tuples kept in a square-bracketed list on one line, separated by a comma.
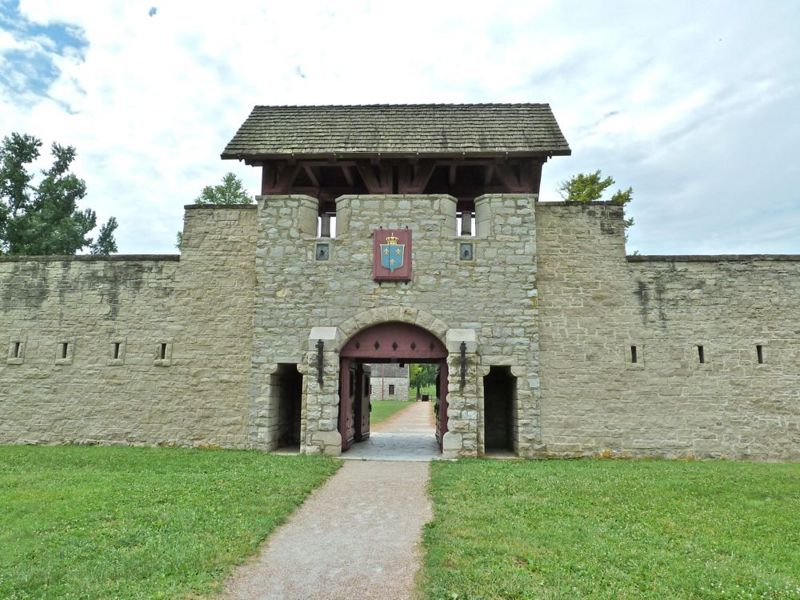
[(28, 71)]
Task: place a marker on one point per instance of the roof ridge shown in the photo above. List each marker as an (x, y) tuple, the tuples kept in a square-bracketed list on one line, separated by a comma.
[(407, 104)]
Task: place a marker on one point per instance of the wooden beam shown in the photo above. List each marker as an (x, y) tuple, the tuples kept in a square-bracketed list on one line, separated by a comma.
[(386, 173), (487, 179), (530, 174), (267, 179), (416, 184), (373, 178), (311, 175), (526, 174), (507, 176), (325, 225), (536, 181), (466, 222), (348, 174), (279, 178), (452, 175), (404, 177)]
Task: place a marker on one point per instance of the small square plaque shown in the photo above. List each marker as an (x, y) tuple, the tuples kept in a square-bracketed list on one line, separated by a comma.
[(466, 251), (322, 251)]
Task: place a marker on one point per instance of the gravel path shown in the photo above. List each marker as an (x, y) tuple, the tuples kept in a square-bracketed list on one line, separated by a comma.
[(356, 537), (417, 418), (406, 435)]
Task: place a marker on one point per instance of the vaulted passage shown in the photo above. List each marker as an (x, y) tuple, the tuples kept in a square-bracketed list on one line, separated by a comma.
[(499, 400), (391, 342), (287, 392)]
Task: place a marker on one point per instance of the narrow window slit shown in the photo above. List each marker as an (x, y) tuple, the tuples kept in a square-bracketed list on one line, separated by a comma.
[(760, 353), (701, 355), (634, 357), (116, 350), (17, 349), (163, 351), (64, 349)]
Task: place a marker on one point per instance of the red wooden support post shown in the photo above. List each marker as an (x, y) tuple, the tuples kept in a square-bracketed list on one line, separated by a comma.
[(466, 222), (325, 225)]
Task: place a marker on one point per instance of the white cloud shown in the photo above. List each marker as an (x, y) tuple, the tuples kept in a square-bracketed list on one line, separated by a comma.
[(670, 99)]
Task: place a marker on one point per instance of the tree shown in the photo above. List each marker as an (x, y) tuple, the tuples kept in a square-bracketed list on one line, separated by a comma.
[(105, 244), (422, 376), (230, 191), (43, 219), (589, 187)]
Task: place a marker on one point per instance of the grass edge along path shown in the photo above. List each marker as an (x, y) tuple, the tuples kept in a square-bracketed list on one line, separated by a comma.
[(613, 529), (121, 522), (383, 410)]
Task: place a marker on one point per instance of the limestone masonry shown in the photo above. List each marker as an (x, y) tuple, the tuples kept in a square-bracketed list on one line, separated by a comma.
[(554, 342)]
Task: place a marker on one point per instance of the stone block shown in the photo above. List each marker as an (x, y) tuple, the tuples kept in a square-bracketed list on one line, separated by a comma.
[(451, 444), (455, 337)]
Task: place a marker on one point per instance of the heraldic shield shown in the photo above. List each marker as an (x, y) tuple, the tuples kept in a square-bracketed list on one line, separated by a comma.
[(392, 253)]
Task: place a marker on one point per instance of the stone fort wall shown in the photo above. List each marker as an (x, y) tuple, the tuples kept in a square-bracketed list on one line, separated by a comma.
[(549, 294), (595, 304), (199, 305)]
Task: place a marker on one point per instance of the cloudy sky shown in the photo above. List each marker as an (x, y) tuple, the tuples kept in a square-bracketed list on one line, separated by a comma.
[(696, 105)]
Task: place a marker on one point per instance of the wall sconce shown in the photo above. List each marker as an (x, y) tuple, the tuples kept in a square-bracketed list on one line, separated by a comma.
[(320, 348), (463, 359)]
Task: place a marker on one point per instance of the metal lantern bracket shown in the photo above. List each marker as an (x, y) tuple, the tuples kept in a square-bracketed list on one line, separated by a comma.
[(463, 360), (320, 364)]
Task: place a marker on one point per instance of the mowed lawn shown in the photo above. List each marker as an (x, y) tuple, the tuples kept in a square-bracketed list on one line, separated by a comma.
[(383, 409), (100, 522), (613, 529)]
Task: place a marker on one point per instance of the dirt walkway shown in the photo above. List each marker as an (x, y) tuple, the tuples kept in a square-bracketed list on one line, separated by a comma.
[(408, 435), (357, 537), (417, 418)]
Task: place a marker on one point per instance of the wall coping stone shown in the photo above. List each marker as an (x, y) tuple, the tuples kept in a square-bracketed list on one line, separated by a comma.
[(574, 203), (93, 258), (251, 206), (396, 196), (640, 258)]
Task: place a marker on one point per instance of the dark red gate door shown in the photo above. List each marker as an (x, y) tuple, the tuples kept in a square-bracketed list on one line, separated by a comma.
[(347, 397), (441, 396), (362, 403)]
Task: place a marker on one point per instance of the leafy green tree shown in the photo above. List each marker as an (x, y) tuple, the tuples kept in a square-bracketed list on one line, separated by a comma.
[(422, 375), (43, 219), (590, 187), (230, 191), (105, 243)]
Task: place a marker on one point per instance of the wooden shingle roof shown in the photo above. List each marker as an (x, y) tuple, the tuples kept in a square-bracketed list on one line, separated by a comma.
[(398, 130)]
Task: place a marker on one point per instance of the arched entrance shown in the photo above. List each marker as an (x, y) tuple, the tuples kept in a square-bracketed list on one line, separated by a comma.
[(392, 341)]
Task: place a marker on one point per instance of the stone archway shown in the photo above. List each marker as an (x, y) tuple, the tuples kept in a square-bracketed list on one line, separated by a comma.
[(320, 426), (392, 341), (384, 314)]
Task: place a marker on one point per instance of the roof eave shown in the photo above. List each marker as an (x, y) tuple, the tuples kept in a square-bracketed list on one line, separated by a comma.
[(391, 155)]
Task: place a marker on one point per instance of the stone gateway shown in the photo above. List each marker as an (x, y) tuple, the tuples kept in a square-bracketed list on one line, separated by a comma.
[(548, 339)]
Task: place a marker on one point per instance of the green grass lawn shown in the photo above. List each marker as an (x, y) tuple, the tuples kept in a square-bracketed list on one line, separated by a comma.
[(383, 409), (613, 529), (100, 522), (425, 389)]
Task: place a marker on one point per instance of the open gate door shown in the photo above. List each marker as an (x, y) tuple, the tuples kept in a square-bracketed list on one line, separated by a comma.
[(441, 398), (347, 399), (361, 404)]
